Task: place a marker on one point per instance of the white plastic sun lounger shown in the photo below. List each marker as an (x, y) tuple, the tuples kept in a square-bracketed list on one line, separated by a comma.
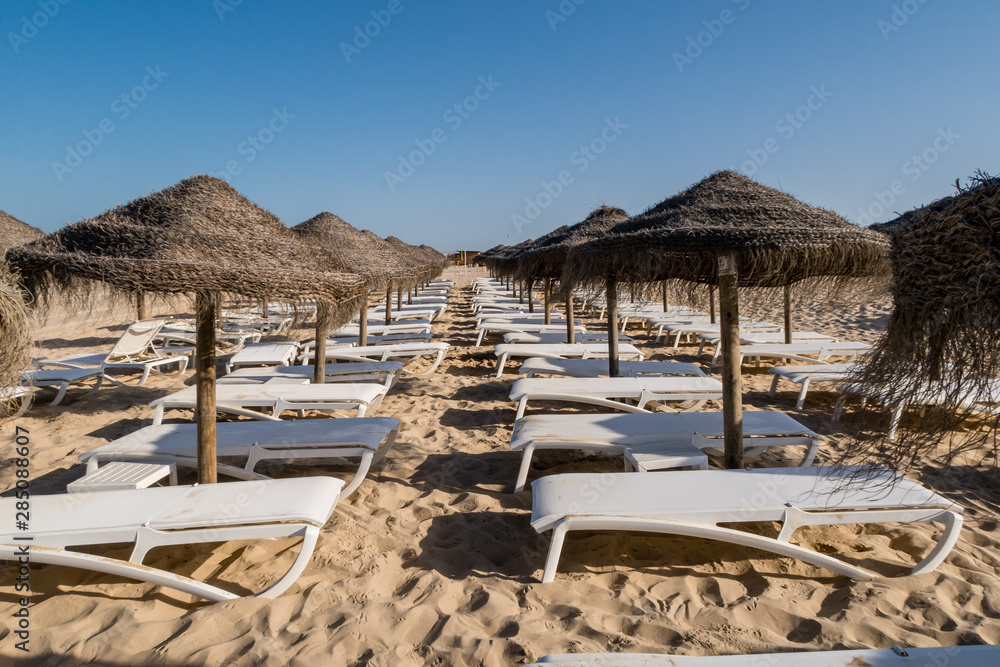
[(386, 372), (389, 339), (519, 326), (693, 503), (363, 440), (762, 429), (62, 378), (754, 337), (808, 352), (171, 515), (406, 313), (401, 351), (363, 398), (808, 373), (931, 394), (593, 368), (704, 327), (134, 350), (505, 351), (381, 329), (687, 393), (264, 354), (560, 337), (940, 656)]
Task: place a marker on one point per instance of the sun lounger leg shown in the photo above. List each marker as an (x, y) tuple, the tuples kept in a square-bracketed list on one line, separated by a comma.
[(479, 340), (145, 375), (437, 362), (63, 386), (774, 385), (802, 393), (555, 550), (839, 407), (521, 405), (897, 415), (500, 364), (522, 472), (359, 476), (952, 528)]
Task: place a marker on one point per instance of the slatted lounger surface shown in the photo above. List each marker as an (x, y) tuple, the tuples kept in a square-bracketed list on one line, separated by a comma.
[(592, 368), (505, 351), (386, 372), (684, 393), (762, 429), (691, 503), (942, 656), (363, 398), (172, 515), (366, 440)]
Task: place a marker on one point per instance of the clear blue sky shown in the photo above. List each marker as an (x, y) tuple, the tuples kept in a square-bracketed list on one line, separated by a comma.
[(887, 80)]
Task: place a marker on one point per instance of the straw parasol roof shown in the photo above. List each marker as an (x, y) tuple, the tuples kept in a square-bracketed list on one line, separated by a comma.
[(15, 330), (359, 252), (14, 232), (945, 325), (504, 262), (428, 266), (198, 235), (775, 239), (546, 256), (483, 257), (730, 231)]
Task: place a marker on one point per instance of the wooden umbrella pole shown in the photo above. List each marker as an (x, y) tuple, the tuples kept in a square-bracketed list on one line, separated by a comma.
[(711, 304), (612, 298), (205, 307), (409, 295), (570, 327), (788, 314), (548, 301), (363, 324), (732, 388), (140, 305), (663, 289), (388, 306), (399, 299), (531, 301), (322, 327), (521, 294)]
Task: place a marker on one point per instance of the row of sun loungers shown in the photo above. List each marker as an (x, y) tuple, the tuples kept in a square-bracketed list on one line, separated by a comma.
[(263, 384), (676, 501)]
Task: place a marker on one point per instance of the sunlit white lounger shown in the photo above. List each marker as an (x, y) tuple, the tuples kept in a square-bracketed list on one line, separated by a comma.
[(693, 503), (687, 393), (363, 440), (592, 368), (506, 351), (171, 515), (401, 351), (762, 429)]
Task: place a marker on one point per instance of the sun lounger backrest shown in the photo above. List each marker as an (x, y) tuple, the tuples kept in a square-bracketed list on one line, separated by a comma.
[(136, 341)]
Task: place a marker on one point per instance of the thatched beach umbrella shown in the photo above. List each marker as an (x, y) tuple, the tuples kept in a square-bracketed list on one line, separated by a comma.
[(358, 252), (732, 232), (546, 258), (198, 236), (943, 335), (14, 232)]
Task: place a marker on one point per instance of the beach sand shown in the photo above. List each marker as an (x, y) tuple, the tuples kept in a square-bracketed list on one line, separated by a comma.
[(433, 560)]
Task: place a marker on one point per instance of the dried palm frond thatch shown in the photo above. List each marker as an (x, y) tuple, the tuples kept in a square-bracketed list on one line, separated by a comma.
[(730, 231), (430, 267), (199, 235), (14, 232), (943, 336), (362, 253), (546, 256), (15, 332), (774, 238)]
